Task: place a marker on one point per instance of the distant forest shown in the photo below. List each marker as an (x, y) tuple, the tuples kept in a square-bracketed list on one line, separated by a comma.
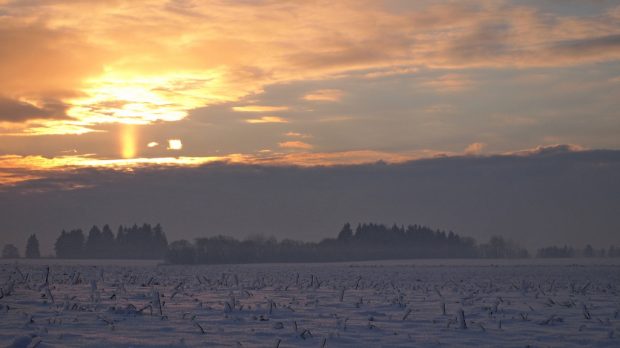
[(365, 242), (587, 251), (136, 242)]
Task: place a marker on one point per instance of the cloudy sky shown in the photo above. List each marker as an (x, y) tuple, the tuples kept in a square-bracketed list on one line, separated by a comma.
[(303, 81), (182, 83)]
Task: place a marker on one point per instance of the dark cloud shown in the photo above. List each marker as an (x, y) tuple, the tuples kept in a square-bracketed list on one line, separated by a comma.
[(365, 54), (550, 196), (486, 41), (593, 46), (12, 110)]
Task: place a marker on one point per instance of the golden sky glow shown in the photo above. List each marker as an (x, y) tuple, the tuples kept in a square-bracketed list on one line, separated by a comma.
[(143, 99), (68, 162), (135, 81)]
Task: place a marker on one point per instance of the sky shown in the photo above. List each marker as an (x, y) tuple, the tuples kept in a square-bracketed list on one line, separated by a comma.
[(125, 85)]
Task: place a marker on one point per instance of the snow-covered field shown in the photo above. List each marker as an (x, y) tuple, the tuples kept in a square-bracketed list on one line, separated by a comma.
[(423, 303)]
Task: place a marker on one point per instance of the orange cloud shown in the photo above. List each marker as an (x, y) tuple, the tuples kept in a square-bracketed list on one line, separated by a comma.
[(298, 145), (266, 119), (474, 148), (541, 149), (297, 135), (259, 108), (324, 95), (306, 159)]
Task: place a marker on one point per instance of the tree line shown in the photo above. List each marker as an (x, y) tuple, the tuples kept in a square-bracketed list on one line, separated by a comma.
[(569, 251), (366, 242), (135, 242)]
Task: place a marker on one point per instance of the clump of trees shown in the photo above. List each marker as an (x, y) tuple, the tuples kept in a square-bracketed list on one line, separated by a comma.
[(70, 245), (498, 248), (224, 249), (556, 252), (135, 242), (377, 241), (9, 251), (613, 251), (568, 251)]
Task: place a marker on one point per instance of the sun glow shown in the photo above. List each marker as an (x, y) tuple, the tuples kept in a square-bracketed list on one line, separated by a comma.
[(128, 140), (125, 97), (137, 99), (133, 98)]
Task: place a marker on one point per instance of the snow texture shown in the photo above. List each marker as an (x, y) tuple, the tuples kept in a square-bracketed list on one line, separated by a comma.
[(55, 303)]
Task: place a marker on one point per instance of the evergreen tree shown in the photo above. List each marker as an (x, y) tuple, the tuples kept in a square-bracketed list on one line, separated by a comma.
[(70, 245), (32, 247), (107, 242), (121, 242), (161, 242), (93, 247), (346, 233), (60, 247)]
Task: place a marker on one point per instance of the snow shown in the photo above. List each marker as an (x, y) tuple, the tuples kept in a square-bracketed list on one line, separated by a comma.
[(562, 303)]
